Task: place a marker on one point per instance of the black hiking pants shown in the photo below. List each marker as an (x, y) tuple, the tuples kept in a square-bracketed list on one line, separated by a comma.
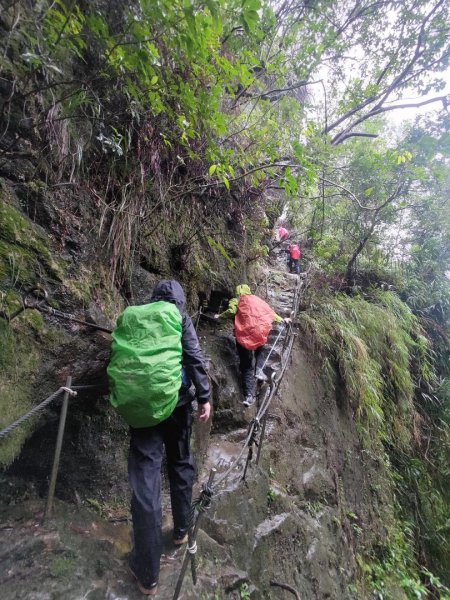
[(294, 265), (144, 473), (246, 366)]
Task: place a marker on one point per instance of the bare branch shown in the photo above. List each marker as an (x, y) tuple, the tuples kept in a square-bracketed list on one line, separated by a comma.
[(294, 86), (400, 79), (287, 587), (347, 191), (357, 134), (340, 137)]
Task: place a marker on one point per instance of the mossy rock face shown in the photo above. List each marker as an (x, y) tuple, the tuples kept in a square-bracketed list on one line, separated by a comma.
[(18, 169), (24, 252), (19, 363), (10, 301), (39, 351)]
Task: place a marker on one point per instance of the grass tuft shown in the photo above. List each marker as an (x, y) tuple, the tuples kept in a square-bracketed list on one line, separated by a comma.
[(372, 343)]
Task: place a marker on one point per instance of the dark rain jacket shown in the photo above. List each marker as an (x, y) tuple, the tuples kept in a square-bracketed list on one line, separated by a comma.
[(193, 360)]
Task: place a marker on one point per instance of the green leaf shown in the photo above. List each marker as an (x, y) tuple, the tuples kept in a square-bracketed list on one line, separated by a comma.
[(250, 19), (219, 247), (212, 169), (226, 182), (252, 4)]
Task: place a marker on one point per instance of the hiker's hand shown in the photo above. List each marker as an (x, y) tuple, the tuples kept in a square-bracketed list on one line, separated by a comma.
[(204, 410), (287, 320), (216, 316)]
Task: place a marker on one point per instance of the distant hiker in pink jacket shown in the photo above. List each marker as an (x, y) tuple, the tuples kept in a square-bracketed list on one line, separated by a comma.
[(283, 234)]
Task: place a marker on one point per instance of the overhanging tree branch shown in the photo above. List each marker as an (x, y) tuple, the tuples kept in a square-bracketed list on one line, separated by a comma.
[(373, 223), (405, 75), (358, 134), (340, 137)]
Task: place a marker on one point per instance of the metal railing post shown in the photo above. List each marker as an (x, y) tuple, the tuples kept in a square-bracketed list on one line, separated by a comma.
[(261, 438), (59, 441), (192, 546)]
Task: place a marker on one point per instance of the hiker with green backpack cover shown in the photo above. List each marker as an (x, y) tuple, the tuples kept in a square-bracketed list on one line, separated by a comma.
[(156, 356)]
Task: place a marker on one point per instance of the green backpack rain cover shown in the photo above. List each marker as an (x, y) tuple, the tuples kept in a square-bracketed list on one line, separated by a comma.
[(145, 368)]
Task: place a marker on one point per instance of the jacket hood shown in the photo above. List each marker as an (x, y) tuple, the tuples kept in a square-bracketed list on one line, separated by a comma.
[(170, 291), (243, 290)]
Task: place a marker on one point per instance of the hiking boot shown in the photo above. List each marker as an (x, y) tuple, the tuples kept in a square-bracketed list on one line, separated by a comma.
[(260, 375), (249, 400), (147, 591), (151, 591), (179, 541)]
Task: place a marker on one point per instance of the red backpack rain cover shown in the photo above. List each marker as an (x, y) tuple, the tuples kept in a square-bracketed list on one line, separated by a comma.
[(253, 321)]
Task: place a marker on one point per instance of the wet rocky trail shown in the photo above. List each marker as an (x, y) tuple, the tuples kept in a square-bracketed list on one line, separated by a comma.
[(295, 519)]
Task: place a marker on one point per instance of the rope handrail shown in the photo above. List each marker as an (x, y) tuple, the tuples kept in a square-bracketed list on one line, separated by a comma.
[(7, 430)]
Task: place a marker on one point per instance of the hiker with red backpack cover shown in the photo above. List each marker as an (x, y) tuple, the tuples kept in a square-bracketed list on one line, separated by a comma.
[(294, 258), (253, 319)]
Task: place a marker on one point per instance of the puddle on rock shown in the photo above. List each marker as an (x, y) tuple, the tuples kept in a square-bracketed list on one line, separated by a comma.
[(221, 455)]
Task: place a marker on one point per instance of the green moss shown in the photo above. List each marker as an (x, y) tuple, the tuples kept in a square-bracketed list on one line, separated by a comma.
[(81, 290), (88, 286), (19, 363), (37, 186), (111, 302), (54, 338), (62, 567), (81, 285), (24, 252), (33, 320), (10, 302)]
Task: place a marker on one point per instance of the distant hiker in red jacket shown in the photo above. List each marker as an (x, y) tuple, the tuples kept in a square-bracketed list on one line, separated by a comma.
[(283, 234), (253, 319), (294, 258)]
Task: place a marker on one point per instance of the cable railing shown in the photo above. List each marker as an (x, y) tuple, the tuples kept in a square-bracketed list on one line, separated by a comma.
[(67, 392)]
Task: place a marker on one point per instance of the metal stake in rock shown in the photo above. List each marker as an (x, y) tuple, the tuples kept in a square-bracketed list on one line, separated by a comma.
[(202, 505)]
